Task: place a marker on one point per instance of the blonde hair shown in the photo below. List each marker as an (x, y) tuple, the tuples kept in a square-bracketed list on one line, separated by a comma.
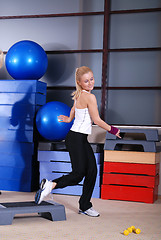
[(78, 74)]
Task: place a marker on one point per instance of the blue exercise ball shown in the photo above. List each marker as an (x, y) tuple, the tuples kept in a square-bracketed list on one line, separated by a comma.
[(26, 60), (47, 121)]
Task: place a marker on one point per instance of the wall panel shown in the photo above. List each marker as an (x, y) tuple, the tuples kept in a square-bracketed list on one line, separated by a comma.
[(137, 4), (135, 30), (135, 69), (30, 7), (134, 107)]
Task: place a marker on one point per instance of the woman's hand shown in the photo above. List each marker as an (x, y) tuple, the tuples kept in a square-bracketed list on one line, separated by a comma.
[(62, 118), (118, 134), (115, 131), (66, 119)]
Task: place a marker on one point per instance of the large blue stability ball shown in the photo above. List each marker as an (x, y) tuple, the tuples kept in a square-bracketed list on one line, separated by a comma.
[(47, 121), (26, 60)]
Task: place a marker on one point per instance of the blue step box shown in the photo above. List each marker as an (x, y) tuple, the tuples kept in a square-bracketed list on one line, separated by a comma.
[(54, 164), (19, 103)]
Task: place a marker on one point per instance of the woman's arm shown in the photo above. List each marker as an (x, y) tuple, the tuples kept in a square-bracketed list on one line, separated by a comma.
[(67, 119), (93, 111)]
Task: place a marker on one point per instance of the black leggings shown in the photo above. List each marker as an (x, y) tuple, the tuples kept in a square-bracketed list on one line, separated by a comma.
[(83, 165)]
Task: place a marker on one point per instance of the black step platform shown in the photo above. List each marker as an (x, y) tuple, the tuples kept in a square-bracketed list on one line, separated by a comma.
[(146, 145), (147, 134), (47, 209)]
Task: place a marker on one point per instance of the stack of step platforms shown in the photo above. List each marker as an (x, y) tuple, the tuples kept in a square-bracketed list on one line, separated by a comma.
[(19, 102), (131, 166), (54, 161)]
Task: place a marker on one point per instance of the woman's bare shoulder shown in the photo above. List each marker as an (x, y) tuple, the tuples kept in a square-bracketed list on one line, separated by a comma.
[(87, 99), (91, 97)]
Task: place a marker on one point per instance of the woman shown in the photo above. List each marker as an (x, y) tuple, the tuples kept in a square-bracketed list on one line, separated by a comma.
[(81, 154)]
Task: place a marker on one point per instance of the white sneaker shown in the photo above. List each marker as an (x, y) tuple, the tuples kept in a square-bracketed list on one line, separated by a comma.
[(90, 212), (45, 190)]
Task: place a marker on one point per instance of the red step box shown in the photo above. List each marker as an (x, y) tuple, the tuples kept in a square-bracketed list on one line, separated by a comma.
[(129, 193), (132, 168), (131, 180)]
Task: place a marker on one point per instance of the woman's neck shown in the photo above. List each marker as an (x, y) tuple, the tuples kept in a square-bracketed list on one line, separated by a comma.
[(85, 91)]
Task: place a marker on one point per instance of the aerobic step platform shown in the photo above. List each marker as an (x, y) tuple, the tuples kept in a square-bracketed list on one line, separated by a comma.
[(47, 209), (147, 134), (146, 145)]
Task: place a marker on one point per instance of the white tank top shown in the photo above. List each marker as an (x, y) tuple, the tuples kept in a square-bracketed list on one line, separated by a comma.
[(82, 122)]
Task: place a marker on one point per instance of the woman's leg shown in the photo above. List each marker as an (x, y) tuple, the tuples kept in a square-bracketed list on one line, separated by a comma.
[(83, 164), (75, 146), (90, 178)]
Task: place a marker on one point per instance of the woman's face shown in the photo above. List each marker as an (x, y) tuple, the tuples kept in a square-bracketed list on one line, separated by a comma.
[(87, 81)]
